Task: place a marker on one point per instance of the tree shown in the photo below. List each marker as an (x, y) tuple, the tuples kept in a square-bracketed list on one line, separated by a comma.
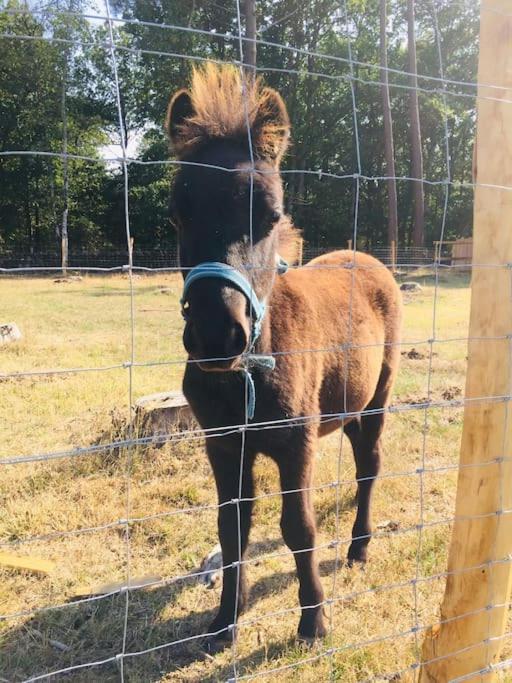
[(388, 129), (43, 102), (302, 52), (249, 55), (418, 237)]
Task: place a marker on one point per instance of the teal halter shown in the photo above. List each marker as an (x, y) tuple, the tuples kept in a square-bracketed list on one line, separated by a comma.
[(222, 271)]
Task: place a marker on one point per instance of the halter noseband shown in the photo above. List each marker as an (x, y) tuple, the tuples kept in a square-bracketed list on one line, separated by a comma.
[(222, 271)]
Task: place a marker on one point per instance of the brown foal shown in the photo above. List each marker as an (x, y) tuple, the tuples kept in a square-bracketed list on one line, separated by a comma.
[(332, 327)]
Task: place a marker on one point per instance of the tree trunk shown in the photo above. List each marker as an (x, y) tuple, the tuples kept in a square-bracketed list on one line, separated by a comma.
[(418, 236), (65, 185), (28, 217), (388, 130), (37, 213), (250, 34), (290, 95)]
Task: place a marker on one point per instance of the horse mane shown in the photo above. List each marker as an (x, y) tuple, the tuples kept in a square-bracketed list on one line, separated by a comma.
[(224, 102), (290, 239)]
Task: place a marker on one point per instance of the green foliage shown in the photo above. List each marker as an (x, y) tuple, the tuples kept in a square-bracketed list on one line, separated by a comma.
[(315, 82), (33, 73)]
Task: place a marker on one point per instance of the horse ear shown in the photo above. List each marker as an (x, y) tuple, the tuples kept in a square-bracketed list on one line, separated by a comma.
[(180, 108), (271, 127)]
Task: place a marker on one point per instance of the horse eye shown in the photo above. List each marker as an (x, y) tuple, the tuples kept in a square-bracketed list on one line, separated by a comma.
[(185, 311)]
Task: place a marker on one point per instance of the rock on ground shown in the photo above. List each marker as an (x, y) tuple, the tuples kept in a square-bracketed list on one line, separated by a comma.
[(212, 567), (410, 287), (9, 332)]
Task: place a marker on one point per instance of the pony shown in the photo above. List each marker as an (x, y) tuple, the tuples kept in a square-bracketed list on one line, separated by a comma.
[(313, 350)]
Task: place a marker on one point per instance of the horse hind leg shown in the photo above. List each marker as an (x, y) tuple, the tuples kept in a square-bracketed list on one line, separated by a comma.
[(299, 533), (365, 437)]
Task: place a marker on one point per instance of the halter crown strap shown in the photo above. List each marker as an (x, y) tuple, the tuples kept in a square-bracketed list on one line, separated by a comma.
[(223, 271)]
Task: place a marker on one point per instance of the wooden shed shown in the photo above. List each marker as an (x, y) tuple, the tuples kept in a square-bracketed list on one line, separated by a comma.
[(456, 252)]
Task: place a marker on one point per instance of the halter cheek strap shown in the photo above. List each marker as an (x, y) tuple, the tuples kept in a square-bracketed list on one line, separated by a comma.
[(222, 271)]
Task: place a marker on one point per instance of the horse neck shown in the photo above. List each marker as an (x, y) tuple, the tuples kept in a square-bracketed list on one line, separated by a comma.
[(264, 343)]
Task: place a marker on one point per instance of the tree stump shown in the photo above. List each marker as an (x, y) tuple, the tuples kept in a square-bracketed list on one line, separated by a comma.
[(166, 413)]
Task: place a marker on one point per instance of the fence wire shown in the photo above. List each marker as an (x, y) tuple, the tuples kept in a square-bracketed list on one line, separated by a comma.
[(430, 85)]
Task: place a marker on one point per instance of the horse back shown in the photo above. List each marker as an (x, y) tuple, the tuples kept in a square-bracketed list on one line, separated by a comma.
[(342, 310)]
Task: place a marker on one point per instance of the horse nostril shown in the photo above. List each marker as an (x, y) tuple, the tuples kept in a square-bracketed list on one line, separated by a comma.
[(236, 340)]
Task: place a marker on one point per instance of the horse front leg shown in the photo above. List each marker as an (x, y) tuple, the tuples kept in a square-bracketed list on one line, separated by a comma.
[(234, 522), (299, 533)]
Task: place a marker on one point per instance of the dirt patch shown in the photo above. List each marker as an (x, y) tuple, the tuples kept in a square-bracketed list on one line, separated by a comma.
[(33, 379), (410, 399), (414, 354), (68, 279), (451, 393)]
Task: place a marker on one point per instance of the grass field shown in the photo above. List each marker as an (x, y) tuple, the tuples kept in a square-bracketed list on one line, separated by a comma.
[(86, 324)]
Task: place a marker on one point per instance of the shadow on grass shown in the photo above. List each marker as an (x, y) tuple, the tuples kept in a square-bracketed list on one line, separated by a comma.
[(89, 633), (328, 509), (102, 290), (448, 279)]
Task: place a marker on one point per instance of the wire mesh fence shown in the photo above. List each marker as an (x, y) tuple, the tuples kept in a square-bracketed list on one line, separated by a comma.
[(136, 602), (10, 261)]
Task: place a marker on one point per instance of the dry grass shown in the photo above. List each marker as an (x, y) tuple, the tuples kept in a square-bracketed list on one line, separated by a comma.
[(87, 324)]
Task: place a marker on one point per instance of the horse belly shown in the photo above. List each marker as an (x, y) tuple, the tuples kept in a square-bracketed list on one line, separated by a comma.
[(349, 385)]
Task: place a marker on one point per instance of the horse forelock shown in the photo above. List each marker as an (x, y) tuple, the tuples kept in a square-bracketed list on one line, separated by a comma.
[(225, 103)]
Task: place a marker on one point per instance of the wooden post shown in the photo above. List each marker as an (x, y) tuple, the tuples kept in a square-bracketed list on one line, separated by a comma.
[(249, 49), (393, 256), (64, 254), (301, 251), (474, 609), (437, 250), (130, 251), (349, 245), (35, 565)]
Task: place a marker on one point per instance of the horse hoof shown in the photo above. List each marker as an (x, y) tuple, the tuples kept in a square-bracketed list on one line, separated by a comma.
[(219, 637), (357, 555), (214, 644), (309, 642), (306, 641), (355, 563), (311, 629)]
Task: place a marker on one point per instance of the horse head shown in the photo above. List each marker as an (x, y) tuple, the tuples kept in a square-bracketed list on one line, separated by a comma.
[(229, 133)]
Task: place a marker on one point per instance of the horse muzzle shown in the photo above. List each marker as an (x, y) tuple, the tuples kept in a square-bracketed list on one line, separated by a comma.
[(227, 344), (215, 349)]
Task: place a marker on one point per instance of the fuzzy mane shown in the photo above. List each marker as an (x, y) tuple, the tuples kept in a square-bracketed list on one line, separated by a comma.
[(223, 102), (290, 240)]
